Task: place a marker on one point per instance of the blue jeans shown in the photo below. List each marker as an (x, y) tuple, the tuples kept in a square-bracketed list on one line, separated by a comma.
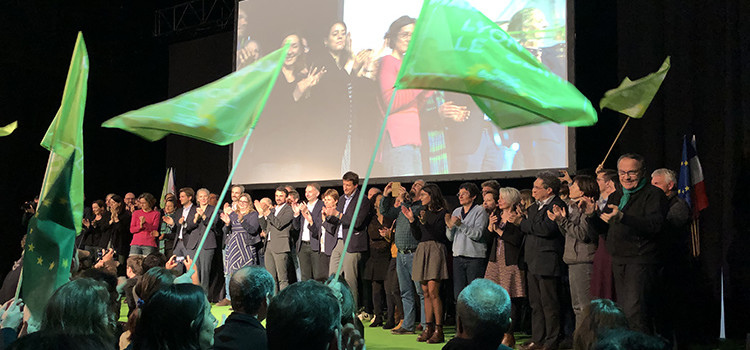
[(403, 270), (465, 270), (402, 160), (141, 250)]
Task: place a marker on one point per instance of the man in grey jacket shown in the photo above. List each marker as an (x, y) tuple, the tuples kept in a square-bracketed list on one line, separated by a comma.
[(277, 222)]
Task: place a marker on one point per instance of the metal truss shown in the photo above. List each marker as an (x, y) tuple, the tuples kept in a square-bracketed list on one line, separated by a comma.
[(196, 15)]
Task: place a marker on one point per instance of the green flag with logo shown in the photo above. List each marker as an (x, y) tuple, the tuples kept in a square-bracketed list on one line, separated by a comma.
[(454, 47), (632, 98), (52, 230), (220, 112)]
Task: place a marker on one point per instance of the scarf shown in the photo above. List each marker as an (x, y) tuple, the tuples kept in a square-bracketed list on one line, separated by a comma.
[(626, 193)]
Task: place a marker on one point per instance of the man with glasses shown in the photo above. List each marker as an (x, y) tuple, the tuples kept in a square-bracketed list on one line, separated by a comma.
[(635, 220)]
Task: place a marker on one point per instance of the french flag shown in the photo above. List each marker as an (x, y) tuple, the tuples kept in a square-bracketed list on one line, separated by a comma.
[(691, 186)]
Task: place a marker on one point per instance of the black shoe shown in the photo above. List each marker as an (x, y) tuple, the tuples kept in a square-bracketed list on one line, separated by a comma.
[(389, 325), (377, 322)]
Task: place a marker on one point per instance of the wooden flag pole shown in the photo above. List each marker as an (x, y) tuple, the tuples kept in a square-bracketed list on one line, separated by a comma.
[(601, 166)]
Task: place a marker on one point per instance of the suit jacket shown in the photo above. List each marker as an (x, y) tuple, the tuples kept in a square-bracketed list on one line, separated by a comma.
[(197, 234), (189, 225), (277, 228), (240, 331), (544, 244), (314, 227), (331, 225), (360, 239)]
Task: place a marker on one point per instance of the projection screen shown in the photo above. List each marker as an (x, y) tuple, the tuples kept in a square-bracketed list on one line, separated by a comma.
[(325, 112)]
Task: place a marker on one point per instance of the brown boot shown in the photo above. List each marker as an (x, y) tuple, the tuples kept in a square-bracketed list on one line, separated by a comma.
[(426, 333), (509, 340), (437, 336)]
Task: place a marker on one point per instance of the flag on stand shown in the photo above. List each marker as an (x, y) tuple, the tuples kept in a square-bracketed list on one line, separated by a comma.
[(168, 186), (692, 188), (52, 231), (220, 112), (454, 47), (8, 129), (632, 98)]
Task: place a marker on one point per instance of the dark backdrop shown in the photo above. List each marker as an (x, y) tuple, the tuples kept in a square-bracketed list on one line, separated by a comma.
[(705, 93)]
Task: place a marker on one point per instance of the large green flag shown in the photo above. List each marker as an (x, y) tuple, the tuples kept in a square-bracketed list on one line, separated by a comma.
[(220, 112), (454, 47), (52, 231), (8, 129), (632, 98)]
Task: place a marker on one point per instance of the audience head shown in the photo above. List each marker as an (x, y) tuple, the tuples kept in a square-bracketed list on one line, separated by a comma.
[(280, 195), (350, 182), (178, 317), (546, 185), (335, 39), (372, 192), (416, 189), (489, 186), (344, 295), (397, 39), (630, 169), (130, 198), (170, 205), (608, 182), (311, 311), (186, 196), (170, 196), (467, 193), (97, 207), (146, 201), (152, 281), (330, 198), (213, 199), (134, 266), (527, 199), (110, 281), (201, 196), (664, 179), (598, 316), (624, 339), (80, 307), (508, 197), (483, 312), (584, 186), (293, 196), (251, 289), (237, 191), (152, 260), (432, 198), (564, 190), (490, 201), (245, 204), (117, 204), (312, 191)]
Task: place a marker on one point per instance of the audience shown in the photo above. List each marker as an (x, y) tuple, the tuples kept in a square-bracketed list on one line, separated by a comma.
[(251, 289), (175, 318), (482, 317), (402, 246)]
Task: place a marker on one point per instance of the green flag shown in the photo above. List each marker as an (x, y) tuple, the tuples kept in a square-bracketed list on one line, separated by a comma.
[(220, 112), (455, 47), (632, 98), (168, 186), (8, 129), (52, 231)]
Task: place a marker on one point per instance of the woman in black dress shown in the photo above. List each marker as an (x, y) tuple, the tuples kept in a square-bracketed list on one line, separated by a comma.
[(376, 267)]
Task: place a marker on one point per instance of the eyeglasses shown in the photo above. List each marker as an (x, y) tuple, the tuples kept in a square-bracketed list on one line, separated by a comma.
[(628, 173), (404, 35)]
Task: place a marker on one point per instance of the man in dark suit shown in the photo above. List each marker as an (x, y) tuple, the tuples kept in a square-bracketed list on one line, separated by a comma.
[(277, 222), (202, 215), (251, 288), (182, 229), (543, 252), (308, 222), (354, 256)]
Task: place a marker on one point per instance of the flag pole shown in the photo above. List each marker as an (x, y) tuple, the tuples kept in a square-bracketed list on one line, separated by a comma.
[(277, 70), (20, 280), (601, 165), (358, 206), (221, 199)]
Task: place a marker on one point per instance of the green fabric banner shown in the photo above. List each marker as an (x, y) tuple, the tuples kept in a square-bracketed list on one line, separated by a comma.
[(455, 47), (8, 129), (52, 231), (632, 98), (220, 112)]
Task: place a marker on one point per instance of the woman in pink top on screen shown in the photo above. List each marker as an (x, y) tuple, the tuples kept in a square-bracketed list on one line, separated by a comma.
[(401, 146), (144, 226)]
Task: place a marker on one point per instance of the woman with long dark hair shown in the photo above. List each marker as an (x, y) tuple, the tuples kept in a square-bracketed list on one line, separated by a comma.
[(94, 229), (145, 226), (430, 260), (176, 318)]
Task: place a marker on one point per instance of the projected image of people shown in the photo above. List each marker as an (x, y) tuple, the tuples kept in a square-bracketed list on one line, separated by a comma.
[(325, 112)]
